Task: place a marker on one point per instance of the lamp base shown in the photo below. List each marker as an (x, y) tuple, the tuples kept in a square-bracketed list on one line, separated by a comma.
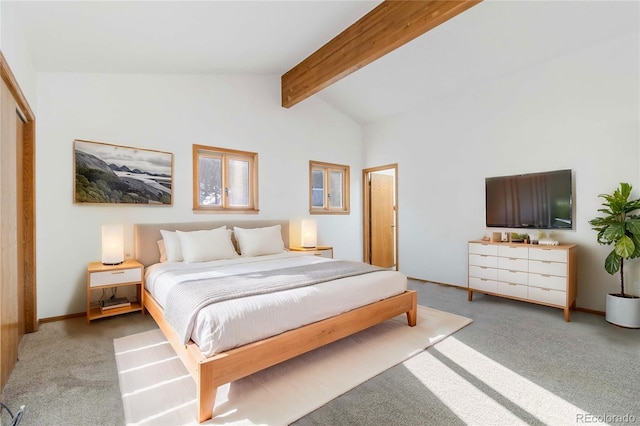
[(113, 264)]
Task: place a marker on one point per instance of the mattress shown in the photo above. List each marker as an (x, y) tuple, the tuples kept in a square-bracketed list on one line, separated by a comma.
[(232, 323)]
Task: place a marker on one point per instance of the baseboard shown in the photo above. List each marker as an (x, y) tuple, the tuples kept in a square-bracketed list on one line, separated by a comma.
[(62, 317), (437, 283), (591, 311)]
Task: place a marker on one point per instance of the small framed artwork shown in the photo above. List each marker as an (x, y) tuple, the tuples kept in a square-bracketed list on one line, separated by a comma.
[(115, 174)]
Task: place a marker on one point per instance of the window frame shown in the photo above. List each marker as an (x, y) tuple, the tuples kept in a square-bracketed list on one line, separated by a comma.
[(226, 155), (327, 168)]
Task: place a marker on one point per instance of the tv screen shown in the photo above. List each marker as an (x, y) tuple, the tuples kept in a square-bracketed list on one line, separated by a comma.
[(535, 200)]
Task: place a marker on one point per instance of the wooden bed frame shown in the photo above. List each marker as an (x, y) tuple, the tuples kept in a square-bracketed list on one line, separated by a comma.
[(220, 369)]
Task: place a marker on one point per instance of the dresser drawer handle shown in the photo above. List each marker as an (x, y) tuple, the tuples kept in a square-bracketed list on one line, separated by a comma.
[(545, 275), (512, 258), (117, 272), (545, 289)]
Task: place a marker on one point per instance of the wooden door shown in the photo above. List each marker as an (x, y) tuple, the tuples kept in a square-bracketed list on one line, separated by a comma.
[(382, 220), (9, 315)]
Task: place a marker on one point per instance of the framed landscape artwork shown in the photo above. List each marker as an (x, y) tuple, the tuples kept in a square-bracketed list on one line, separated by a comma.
[(114, 174)]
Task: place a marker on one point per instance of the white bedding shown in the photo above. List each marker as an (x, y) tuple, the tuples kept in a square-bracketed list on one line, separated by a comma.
[(234, 323)]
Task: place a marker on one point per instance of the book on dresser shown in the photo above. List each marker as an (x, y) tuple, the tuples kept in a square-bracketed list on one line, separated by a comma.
[(545, 275), (117, 302)]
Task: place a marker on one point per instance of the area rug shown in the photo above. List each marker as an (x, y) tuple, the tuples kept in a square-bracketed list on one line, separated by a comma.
[(157, 389)]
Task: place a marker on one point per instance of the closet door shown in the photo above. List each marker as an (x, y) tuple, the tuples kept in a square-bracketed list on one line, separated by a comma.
[(10, 285)]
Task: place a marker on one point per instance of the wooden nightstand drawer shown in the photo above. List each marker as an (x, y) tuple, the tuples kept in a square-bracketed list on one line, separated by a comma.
[(97, 279)]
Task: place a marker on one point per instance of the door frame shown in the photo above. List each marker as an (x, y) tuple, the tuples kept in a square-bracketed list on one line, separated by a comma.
[(366, 212), (27, 217)]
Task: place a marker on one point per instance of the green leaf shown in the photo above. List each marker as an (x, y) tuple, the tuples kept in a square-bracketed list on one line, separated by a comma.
[(613, 231), (624, 247), (612, 263), (633, 226)]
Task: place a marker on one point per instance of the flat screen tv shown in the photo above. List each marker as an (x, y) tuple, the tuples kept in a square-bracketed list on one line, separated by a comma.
[(535, 200)]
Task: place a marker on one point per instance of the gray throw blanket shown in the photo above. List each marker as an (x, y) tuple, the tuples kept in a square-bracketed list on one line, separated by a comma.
[(187, 298)]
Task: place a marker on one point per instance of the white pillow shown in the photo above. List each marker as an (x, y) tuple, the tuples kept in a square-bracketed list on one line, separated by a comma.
[(204, 246), (259, 241), (172, 246), (163, 251)]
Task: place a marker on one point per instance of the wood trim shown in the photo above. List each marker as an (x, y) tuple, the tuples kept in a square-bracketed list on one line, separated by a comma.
[(225, 154), (366, 207), (28, 217), (210, 373), (14, 88), (385, 28), (346, 187), (62, 317)]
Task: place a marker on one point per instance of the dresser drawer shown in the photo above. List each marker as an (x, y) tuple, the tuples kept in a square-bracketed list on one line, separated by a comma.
[(513, 264), (551, 255), (121, 276), (514, 277), (483, 272), (513, 290), (548, 268), (553, 297), (487, 249), (483, 284), (514, 252), (483, 260), (548, 281)]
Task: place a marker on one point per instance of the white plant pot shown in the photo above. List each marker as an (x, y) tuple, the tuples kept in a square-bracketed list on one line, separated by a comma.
[(623, 311)]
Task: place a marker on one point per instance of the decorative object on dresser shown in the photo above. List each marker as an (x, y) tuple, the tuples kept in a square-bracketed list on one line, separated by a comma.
[(542, 275), (621, 228), (102, 278)]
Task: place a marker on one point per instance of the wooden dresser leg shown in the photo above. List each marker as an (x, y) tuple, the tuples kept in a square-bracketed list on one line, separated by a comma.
[(470, 295), (567, 314)]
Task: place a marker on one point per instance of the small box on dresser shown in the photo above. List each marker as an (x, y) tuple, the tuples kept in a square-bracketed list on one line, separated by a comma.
[(101, 277), (530, 273)]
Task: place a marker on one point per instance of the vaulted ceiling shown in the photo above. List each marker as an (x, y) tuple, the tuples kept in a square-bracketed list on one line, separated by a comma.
[(489, 41)]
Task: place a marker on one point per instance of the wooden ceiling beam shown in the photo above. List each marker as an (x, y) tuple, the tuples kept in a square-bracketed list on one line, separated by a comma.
[(387, 27)]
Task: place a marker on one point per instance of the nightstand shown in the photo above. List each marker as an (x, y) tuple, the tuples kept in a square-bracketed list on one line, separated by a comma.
[(322, 251), (102, 277)]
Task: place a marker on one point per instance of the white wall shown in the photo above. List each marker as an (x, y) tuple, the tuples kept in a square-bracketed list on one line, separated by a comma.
[(16, 51), (579, 112), (170, 113)]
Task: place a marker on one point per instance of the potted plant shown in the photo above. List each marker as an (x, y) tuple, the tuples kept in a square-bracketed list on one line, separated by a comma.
[(620, 227)]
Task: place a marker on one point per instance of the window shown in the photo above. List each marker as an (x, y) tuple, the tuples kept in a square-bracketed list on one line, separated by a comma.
[(328, 188), (224, 180)]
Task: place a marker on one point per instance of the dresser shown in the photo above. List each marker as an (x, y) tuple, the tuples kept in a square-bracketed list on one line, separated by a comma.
[(546, 275)]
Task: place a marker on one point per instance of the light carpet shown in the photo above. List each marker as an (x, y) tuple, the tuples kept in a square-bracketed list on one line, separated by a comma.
[(157, 389)]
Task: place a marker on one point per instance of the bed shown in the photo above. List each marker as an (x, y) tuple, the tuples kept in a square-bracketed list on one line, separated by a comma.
[(214, 358)]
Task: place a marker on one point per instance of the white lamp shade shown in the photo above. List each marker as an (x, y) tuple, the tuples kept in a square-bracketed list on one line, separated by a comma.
[(112, 244), (309, 233)]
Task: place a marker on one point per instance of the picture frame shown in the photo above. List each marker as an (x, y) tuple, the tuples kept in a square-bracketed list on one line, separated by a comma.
[(105, 173)]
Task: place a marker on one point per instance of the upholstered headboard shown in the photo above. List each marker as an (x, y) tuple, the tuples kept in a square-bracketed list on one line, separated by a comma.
[(146, 235)]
